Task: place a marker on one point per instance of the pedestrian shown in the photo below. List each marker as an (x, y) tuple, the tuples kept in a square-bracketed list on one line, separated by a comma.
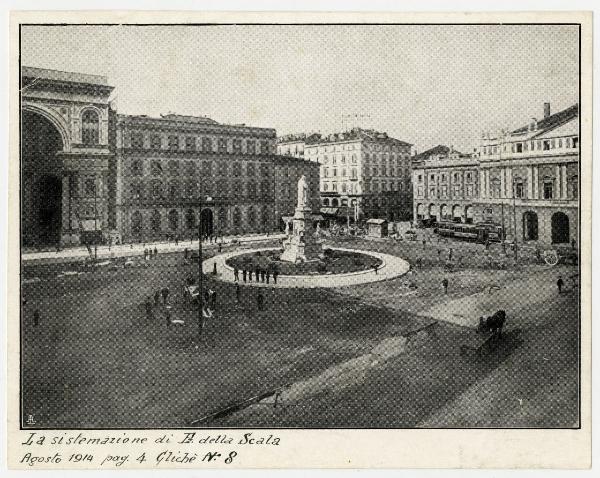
[(185, 253), (256, 273), (156, 298), (165, 295), (236, 275), (213, 299), (168, 317), (487, 244), (244, 275), (450, 252), (424, 241), (220, 248), (155, 252), (145, 254), (214, 268), (262, 275), (237, 291), (206, 295), (375, 269), (275, 273), (148, 306), (176, 240), (260, 300), (268, 275), (559, 284), (445, 285), (36, 318), (420, 262)]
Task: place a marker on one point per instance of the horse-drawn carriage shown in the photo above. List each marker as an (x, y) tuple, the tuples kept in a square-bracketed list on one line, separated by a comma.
[(486, 336), (563, 255)]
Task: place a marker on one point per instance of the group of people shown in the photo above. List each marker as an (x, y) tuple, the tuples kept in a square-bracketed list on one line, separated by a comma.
[(260, 275), (150, 253)]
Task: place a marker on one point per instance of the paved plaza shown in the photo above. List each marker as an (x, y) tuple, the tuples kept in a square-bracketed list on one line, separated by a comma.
[(327, 349)]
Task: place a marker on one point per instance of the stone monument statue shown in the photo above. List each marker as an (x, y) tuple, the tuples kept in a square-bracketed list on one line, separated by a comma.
[(301, 244)]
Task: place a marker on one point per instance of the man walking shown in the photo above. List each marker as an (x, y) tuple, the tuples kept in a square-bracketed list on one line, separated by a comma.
[(256, 274), (155, 252), (165, 295), (268, 275), (244, 273), (559, 284), (237, 291), (236, 275), (445, 285), (275, 273), (450, 252), (262, 275), (213, 299)]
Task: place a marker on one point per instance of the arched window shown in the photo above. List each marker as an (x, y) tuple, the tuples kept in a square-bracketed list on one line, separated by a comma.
[(90, 127), (325, 202), (237, 218), (136, 223), (155, 221), (173, 219), (252, 218), (222, 216), (190, 219)]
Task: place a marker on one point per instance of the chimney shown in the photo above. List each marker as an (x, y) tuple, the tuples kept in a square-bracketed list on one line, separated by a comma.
[(546, 110)]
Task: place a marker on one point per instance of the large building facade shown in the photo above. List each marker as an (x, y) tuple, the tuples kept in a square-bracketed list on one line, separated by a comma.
[(526, 180), (363, 172), (65, 156), (90, 174)]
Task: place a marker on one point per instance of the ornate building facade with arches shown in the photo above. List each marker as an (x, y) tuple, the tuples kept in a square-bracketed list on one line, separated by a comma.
[(65, 156), (90, 175), (526, 180)]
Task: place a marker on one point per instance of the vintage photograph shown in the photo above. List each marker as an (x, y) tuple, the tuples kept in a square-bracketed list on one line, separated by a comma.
[(317, 226)]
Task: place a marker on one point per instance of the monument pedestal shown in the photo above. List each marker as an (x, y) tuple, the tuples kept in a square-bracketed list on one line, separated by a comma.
[(302, 245)]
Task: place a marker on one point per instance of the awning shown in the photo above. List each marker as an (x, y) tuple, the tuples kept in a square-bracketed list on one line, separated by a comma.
[(287, 218), (317, 217)]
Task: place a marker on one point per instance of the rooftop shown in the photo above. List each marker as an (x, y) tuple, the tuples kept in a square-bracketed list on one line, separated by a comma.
[(554, 120), (66, 76), (356, 134)]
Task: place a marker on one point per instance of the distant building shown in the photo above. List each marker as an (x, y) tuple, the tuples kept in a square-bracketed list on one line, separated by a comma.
[(526, 179), (363, 172)]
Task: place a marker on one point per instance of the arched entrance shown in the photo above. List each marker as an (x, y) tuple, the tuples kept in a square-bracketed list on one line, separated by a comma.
[(530, 226), (560, 228), (433, 212), (457, 213), (49, 211), (42, 186), (206, 222)]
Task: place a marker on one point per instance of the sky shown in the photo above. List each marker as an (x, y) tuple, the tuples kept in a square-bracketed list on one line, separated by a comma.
[(425, 85)]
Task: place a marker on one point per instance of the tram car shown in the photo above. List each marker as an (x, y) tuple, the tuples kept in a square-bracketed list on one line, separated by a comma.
[(481, 232)]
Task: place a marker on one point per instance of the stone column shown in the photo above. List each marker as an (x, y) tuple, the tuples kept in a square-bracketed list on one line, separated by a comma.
[(509, 183), (564, 181), (529, 182), (66, 203), (487, 183), (502, 183), (482, 184), (536, 182)]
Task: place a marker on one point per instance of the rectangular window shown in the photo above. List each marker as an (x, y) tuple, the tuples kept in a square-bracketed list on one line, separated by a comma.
[(206, 145), (173, 143), (546, 145), (190, 143), (575, 142), (519, 190), (156, 141), (222, 145), (250, 146), (264, 147), (90, 187), (548, 190), (519, 147), (237, 145), (137, 140)]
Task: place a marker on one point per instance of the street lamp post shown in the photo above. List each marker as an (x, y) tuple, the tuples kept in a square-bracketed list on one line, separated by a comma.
[(200, 273)]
